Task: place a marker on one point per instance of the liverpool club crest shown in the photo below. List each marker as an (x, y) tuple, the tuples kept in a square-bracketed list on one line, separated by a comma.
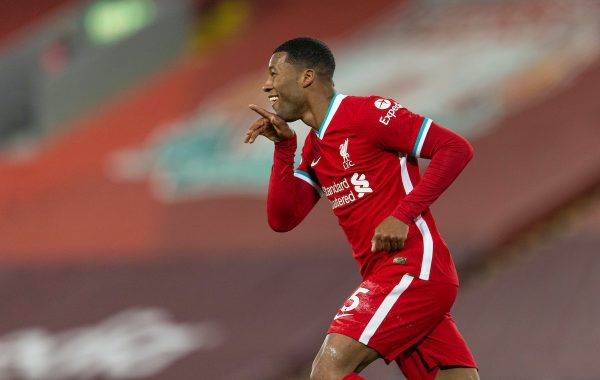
[(346, 163)]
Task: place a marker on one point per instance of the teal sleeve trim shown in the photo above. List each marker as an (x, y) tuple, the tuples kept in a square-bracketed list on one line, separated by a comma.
[(419, 137), (314, 182)]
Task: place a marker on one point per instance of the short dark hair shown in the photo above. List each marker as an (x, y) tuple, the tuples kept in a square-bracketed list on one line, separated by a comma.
[(309, 53)]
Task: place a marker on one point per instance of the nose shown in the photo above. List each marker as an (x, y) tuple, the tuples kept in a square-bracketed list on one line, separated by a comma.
[(268, 86)]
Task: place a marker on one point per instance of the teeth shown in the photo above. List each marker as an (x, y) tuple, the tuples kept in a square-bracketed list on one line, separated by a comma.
[(273, 98)]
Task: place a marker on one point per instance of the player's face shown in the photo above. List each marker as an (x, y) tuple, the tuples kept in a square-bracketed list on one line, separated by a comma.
[(284, 89)]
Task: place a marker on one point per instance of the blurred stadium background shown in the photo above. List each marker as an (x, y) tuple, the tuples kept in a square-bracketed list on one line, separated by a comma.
[(133, 235)]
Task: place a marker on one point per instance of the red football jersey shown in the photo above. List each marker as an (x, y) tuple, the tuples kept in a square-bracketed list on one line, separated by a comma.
[(363, 159)]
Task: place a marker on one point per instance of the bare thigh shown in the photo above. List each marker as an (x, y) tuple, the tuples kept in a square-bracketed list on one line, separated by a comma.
[(340, 355), (458, 374)]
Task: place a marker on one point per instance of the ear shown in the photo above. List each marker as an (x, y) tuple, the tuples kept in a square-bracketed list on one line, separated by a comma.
[(307, 77)]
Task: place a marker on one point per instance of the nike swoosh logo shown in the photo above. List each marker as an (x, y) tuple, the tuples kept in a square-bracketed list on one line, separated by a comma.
[(315, 161), (340, 316)]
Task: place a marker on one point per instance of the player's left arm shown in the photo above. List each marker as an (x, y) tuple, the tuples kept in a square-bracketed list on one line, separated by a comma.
[(449, 154), (417, 136)]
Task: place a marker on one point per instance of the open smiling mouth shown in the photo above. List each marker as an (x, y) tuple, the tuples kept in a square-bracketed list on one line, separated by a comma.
[(273, 99)]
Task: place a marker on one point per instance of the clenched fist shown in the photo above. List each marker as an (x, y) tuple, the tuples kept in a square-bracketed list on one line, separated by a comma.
[(389, 235)]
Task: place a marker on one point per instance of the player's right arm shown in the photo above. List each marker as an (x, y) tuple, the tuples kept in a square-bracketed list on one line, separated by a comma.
[(291, 194)]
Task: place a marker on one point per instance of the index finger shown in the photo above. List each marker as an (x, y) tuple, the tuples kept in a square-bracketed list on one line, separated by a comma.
[(261, 111)]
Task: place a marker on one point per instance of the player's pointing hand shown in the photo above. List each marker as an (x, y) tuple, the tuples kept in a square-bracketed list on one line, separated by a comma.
[(269, 125)]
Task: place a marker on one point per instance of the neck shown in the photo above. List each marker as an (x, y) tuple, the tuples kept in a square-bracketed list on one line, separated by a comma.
[(318, 104)]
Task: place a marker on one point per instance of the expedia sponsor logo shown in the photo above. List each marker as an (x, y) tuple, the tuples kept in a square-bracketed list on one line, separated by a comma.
[(391, 113), (382, 104)]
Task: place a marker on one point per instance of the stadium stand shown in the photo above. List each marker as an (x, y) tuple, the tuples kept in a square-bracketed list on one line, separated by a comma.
[(142, 219), (17, 16), (534, 315)]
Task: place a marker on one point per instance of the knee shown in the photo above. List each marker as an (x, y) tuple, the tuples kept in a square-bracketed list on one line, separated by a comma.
[(325, 375), (462, 373), (320, 371), (325, 370), (339, 357), (319, 375), (333, 376)]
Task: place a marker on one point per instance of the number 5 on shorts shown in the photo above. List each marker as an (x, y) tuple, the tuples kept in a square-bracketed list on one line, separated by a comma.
[(355, 300)]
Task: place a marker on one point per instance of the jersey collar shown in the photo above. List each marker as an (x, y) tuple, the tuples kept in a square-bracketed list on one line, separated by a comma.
[(333, 107)]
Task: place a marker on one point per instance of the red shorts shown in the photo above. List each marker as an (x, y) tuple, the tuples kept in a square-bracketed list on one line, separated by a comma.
[(406, 320)]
